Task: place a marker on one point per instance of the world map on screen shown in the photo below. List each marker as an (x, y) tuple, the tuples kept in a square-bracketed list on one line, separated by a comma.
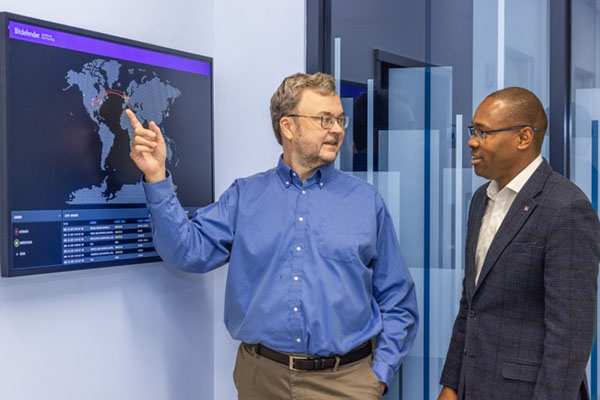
[(107, 89)]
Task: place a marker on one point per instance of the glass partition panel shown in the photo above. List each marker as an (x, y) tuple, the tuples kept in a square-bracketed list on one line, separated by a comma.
[(410, 75), (511, 48), (585, 114)]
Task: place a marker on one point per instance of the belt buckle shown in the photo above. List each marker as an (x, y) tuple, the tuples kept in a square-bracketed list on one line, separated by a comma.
[(291, 359)]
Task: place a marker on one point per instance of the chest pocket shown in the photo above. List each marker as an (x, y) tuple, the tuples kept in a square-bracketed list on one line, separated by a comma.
[(523, 266), (524, 254), (344, 245)]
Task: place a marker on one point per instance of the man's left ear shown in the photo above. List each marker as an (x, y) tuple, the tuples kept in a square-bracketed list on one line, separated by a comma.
[(287, 127), (525, 138)]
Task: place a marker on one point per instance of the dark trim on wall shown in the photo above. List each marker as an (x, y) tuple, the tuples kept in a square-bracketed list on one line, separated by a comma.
[(384, 60), (386, 56), (427, 207), (559, 122), (318, 36)]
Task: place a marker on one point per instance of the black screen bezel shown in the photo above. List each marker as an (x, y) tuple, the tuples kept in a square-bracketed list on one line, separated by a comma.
[(6, 269)]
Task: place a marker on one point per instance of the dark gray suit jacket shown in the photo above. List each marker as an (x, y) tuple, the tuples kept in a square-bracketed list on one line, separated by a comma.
[(526, 330)]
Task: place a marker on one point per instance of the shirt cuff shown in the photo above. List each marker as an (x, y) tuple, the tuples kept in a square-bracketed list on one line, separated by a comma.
[(158, 191), (384, 373)]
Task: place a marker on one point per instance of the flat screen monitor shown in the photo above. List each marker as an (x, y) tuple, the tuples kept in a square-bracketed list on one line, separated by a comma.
[(70, 196)]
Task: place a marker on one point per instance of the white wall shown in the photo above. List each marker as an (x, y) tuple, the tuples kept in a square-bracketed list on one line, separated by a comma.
[(149, 331), (135, 332)]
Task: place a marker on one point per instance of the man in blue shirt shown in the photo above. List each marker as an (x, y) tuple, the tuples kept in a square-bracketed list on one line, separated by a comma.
[(316, 276)]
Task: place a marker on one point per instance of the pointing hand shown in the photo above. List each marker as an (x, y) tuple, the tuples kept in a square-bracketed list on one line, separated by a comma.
[(148, 150)]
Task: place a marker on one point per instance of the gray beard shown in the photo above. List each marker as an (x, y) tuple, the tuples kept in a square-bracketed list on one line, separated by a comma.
[(313, 161)]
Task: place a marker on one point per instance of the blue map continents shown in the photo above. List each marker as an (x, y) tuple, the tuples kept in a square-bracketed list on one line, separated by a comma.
[(107, 89)]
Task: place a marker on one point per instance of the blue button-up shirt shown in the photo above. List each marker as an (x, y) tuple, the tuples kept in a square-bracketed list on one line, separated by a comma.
[(314, 267)]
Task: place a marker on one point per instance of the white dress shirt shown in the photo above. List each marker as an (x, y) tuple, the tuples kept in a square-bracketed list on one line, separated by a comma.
[(498, 204)]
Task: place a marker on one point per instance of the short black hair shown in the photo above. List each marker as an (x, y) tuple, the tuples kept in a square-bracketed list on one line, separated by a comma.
[(524, 108)]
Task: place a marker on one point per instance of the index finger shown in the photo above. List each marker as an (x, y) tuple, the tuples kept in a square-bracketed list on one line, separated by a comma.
[(132, 119)]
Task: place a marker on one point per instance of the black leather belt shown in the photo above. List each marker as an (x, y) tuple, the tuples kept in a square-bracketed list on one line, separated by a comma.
[(312, 363)]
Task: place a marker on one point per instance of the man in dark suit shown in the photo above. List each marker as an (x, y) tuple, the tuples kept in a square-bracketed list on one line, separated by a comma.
[(525, 325)]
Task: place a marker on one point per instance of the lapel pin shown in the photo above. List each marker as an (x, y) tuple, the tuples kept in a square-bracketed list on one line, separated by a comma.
[(526, 208)]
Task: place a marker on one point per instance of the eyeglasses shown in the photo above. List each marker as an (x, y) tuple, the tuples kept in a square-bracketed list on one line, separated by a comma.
[(327, 121), (483, 134)]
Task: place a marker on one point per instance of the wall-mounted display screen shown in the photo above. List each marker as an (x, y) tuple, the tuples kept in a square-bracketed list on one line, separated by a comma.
[(70, 196)]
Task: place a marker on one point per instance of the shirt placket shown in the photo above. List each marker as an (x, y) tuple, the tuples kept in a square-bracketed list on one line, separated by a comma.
[(299, 260)]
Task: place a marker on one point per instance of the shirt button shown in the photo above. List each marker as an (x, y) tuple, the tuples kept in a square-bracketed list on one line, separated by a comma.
[(320, 183), (293, 174), (304, 192), (298, 248), (295, 278), (287, 183), (300, 219), (295, 309), (298, 340)]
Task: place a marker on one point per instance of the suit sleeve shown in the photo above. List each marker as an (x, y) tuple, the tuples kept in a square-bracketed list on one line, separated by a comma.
[(570, 281), (452, 366), (454, 357)]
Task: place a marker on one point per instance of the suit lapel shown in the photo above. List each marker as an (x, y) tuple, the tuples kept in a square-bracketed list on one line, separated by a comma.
[(520, 210), (474, 224)]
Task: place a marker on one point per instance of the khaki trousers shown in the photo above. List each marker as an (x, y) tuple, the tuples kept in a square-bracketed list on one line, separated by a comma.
[(259, 378)]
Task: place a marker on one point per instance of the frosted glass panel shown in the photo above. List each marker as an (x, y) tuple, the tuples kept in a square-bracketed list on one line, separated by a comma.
[(346, 151), (419, 148), (584, 170), (412, 74), (510, 48)]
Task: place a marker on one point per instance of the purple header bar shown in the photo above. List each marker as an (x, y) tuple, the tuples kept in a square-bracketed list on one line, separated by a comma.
[(49, 37)]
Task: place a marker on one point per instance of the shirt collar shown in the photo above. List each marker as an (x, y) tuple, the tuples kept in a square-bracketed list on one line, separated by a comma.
[(284, 171), (517, 183), (321, 176), (328, 172)]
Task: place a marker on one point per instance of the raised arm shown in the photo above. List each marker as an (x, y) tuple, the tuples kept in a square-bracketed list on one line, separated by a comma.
[(197, 245)]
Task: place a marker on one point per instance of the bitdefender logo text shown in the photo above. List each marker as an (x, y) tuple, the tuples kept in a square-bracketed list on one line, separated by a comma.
[(27, 32)]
